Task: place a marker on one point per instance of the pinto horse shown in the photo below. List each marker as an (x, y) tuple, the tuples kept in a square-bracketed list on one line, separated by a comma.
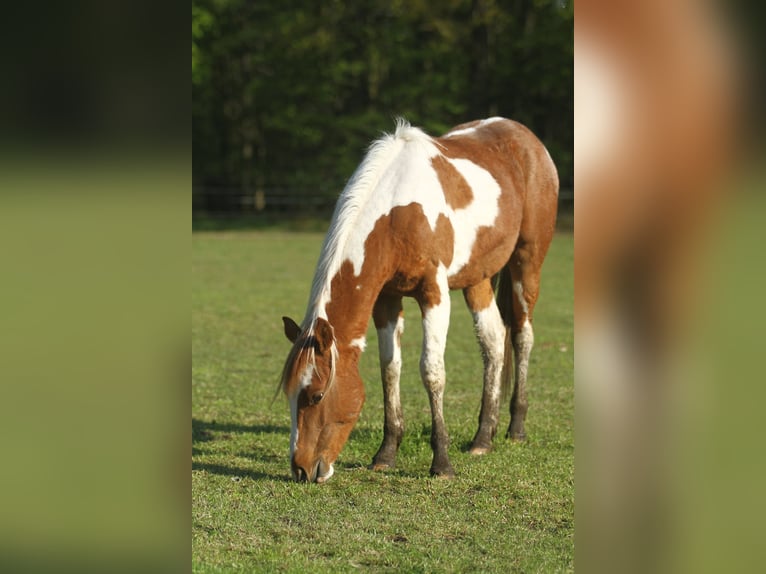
[(470, 210)]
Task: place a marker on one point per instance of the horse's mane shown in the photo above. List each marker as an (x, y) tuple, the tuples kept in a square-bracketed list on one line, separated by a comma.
[(352, 200)]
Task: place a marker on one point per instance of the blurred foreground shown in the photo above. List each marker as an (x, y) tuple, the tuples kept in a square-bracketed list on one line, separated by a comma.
[(668, 284), (95, 173)]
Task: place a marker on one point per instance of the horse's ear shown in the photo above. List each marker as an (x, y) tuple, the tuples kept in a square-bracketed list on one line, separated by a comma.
[(324, 334), (292, 330)]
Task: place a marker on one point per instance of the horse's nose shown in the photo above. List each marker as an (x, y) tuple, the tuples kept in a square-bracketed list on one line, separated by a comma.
[(300, 475)]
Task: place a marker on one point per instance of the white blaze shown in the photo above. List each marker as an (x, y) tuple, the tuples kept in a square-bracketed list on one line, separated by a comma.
[(303, 382)]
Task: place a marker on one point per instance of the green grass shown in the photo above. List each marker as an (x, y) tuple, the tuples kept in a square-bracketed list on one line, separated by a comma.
[(509, 511)]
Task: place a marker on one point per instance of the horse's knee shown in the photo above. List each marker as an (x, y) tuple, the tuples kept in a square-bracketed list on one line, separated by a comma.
[(432, 371), (524, 339)]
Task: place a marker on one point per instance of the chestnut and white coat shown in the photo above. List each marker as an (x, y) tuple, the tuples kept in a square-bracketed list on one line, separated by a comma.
[(473, 210)]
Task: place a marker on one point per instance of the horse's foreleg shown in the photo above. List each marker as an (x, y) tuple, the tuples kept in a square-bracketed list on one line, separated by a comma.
[(389, 322), (490, 331), (435, 305)]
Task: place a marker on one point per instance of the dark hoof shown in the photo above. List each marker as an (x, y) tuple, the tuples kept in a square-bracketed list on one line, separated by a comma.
[(446, 473), (383, 461), (517, 436), (443, 475)]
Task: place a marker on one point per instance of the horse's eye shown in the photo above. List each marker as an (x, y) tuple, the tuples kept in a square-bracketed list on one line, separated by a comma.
[(316, 397)]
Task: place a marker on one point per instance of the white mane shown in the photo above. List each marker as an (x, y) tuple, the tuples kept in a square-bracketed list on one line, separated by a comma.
[(355, 196)]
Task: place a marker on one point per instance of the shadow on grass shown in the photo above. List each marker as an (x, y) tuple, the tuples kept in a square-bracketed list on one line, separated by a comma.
[(201, 430), (206, 431), (233, 471)]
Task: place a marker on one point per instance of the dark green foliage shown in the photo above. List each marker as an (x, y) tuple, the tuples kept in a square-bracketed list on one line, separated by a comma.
[(287, 95)]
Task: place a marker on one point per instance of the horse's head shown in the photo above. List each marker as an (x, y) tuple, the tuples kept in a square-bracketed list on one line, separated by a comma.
[(326, 396)]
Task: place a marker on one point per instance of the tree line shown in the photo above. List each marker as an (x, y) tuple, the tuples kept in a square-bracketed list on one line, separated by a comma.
[(287, 95)]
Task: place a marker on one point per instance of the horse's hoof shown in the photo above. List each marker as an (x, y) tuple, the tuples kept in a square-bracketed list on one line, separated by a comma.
[(479, 450), (445, 473), (516, 437), (379, 466)]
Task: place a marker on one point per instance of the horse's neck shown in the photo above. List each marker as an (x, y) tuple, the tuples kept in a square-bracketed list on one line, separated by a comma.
[(346, 291), (351, 302), (348, 303)]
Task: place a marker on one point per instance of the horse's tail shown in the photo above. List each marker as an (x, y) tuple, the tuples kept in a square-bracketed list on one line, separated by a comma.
[(504, 296)]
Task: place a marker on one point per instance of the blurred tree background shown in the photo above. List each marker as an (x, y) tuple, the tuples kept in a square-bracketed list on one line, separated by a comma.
[(287, 95)]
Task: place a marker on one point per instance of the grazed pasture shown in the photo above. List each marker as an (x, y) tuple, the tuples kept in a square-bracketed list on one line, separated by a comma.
[(512, 510)]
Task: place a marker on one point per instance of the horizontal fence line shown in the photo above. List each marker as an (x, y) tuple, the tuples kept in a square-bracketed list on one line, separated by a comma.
[(235, 200)]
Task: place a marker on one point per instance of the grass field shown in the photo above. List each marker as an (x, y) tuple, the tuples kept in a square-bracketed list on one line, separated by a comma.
[(509, 511)]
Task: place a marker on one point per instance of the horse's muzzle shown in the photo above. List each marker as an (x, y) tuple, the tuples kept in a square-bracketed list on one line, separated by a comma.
[(319, 473)]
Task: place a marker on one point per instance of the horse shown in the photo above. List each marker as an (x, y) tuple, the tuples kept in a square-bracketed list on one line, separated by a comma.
[(474, 209)]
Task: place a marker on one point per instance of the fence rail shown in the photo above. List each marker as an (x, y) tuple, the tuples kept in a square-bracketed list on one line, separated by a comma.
[(231, 201)]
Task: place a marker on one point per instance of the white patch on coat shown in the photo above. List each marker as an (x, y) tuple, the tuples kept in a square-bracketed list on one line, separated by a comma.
[(472, 129), (360, 343), (397, 171), (481, 212), (411, 179), (353, 203)]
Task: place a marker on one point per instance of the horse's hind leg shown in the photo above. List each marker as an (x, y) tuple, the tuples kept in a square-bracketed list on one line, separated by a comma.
[(490, 331), (389, 322), (524, 268)]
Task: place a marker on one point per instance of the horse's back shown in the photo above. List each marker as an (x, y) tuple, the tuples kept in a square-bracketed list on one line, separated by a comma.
[(525, 204), (507, 149), (463, 200)]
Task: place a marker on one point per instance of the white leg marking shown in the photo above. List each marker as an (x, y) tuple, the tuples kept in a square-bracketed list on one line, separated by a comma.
[(435, 327), (391, 366), (518, 289), (525, 339), (490, 330), (389, 347)]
